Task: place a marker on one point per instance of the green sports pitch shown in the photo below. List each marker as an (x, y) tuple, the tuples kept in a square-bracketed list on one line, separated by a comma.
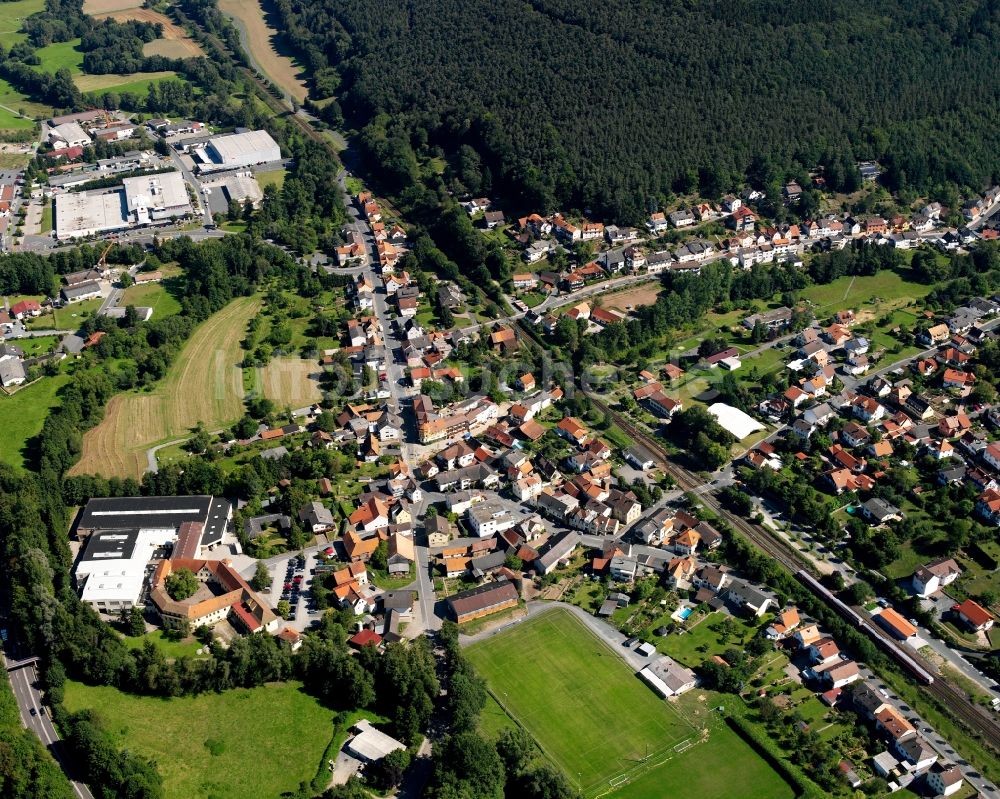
[(584, 706)]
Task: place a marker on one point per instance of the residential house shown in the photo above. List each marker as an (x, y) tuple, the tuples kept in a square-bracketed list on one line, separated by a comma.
[(932, 577), (974, 616)]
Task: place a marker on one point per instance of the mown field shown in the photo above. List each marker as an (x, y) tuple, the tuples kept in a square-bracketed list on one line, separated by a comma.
[(152, 295), (13, 16), (586, 709), (203, 385), (267, 740), (291, 382), (279, 67), (67, 55)]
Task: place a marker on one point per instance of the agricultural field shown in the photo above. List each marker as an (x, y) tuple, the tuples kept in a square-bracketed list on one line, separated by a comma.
[(264, 45), (136, 83), (203, 385), (66, 55), (23, 413), (13, 17), (545, 671), (291, 382), (174, 43), (210, 745), (152, 295)]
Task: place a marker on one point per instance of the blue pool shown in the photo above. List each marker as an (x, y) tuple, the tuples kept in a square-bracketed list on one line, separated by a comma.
[(685, 613)]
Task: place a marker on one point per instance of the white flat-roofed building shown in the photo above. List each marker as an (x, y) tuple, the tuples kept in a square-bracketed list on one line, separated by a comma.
[(88, 213), (154, 198), (112, 569), (734, 420), (371, 745), (238, 149)]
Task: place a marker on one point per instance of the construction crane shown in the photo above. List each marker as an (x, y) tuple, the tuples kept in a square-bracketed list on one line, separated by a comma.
[(103, 258)]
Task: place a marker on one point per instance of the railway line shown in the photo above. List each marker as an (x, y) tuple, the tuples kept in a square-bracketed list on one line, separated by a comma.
[(980, 723)]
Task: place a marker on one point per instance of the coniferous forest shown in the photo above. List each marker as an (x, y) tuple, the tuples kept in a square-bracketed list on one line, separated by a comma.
[(614, 105)]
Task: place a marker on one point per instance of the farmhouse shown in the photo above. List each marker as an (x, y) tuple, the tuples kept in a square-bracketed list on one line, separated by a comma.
[(483, 600)]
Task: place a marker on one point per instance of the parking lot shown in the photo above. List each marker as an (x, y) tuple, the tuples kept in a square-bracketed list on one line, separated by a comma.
[(291, 580)]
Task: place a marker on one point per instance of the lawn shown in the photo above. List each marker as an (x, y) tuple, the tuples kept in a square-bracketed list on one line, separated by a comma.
[(545, 671), (271, 738), (705, 639), (875, 293), (11, 121), (171, 649), (204, 384), (22, 415), (46, 224), (275, 177), (723, 767), (10, 97), (152, 295)]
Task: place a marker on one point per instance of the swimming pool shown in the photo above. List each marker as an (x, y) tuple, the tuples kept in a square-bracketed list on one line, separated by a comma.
[(684, 613)]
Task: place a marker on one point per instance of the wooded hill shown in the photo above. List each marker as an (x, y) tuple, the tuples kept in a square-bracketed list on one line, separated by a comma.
[(615, 104)]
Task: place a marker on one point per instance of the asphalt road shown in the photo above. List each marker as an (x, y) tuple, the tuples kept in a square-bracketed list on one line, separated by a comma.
[(23, 681)]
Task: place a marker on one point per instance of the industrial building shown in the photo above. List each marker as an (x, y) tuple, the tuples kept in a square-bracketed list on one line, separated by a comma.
[(111, 571), (231, 187), (69, 134), (155, 198), (236, 150), (87, 290), (88, 213), (126, 536)]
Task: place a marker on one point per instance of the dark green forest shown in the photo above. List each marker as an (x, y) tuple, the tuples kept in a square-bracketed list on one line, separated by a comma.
[(615, 105)]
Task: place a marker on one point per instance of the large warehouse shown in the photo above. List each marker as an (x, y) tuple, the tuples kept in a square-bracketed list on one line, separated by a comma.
[(88, 213), (154, 198), (237, 149)]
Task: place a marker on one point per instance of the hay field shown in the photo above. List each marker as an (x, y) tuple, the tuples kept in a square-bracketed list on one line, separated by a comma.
[(97, 8), (204, 384), (175, 43), (292, 382), (255, 34)]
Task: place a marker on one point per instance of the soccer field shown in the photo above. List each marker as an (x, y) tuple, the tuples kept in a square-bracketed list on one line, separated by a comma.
[(584, 706)]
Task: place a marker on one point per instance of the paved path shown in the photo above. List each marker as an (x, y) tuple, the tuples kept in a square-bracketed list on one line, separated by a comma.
[(151, 464)]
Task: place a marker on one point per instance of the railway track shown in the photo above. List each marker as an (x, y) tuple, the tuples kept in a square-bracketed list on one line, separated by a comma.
[(953, 699), (272, 102)]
